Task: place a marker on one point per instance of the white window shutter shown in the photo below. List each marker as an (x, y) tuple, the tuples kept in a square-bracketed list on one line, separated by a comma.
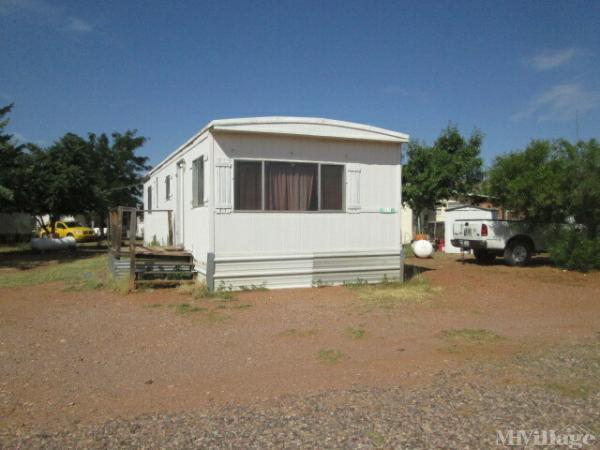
[(223, 197), (353, 188)]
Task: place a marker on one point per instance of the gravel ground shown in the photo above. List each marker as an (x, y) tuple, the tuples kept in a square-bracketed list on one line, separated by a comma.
[(550, 389)]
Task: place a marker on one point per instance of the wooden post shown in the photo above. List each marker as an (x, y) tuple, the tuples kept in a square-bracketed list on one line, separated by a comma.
[(119, 230), (132, 233), (169, 219)]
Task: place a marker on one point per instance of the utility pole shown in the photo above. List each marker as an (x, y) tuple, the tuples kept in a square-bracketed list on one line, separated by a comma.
[(577, 124)]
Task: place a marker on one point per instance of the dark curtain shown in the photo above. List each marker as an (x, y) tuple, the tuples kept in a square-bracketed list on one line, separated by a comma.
[(290, 186), (248, 185)]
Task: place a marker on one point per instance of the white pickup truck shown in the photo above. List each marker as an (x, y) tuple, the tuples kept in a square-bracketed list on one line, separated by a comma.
[(514, 239)]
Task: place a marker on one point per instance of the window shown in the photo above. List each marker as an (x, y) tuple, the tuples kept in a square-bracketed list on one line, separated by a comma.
[(149, 205), (287, 186), (60, 226), (291, 186), (248, 185), (332, 178), (168, 187), (198, 182), (72, 224)]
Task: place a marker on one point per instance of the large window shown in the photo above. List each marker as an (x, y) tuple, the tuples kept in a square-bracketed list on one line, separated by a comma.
[(198, 182), (288, 186)]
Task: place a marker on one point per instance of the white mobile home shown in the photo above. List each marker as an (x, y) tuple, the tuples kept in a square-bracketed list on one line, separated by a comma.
[(282, 202)]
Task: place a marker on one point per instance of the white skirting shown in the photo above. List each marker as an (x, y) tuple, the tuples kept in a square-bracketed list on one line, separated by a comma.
[(292, 271)]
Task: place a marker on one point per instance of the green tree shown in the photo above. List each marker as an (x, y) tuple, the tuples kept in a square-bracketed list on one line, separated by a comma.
[(59, 179), (550, 181), (556, 182), (11, 155), (451, 167), (118, 172), (72, 176)]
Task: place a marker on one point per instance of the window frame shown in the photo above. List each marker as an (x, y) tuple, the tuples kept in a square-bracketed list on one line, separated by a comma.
[(198, 202), (263, 191)]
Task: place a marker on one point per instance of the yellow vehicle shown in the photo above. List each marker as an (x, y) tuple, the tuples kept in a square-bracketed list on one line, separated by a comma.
[(71, 228)]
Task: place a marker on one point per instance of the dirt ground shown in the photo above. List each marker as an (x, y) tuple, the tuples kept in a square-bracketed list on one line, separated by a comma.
[(85, 356)]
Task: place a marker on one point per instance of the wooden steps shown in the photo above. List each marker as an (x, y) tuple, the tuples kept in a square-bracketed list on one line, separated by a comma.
[(156, 266)]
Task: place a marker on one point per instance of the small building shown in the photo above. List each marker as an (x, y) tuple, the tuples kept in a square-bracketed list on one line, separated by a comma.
[(282, 202), (16, 227), (464, 212)]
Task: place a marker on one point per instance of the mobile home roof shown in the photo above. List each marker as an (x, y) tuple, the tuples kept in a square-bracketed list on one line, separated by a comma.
[(295, 126)]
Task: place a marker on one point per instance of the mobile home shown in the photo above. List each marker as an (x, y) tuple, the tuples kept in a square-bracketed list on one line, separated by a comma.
[(282, 202)]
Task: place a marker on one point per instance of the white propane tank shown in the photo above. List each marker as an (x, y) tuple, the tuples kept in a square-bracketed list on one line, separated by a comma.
[(44, 244), (422, 249)]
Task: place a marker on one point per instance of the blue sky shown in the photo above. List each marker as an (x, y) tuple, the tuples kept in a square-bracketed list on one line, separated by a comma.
[(515, 70)]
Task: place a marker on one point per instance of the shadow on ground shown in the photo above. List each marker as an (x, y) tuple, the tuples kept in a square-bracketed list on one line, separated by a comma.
[(411, 270), (536, 261)]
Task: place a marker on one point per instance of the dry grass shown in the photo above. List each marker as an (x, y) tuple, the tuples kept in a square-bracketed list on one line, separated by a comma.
[(329, 356), (294, 332), (570, 388), (200, 291), (471, 335), (389, 295), (355, 332), (467, 339), (185, 308)]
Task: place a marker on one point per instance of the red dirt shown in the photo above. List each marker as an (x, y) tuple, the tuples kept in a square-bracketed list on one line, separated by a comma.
[(93, 355)]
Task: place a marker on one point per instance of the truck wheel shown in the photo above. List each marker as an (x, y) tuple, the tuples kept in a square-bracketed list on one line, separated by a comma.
[(518, 253), (484, 257)]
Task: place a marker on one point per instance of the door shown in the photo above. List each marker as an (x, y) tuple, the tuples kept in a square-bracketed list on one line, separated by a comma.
[(179, 203)]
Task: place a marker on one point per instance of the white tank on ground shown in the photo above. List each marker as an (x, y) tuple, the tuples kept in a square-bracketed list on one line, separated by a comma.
[(422, 249), (49, 244)]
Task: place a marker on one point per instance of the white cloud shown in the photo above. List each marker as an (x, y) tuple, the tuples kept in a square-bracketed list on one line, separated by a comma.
[(559, 103), (551, 59), (18, 138), (29, 6), (52, 14), (79, 25)]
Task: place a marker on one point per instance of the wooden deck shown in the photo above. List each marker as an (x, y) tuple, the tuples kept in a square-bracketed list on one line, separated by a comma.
[(142, 251)]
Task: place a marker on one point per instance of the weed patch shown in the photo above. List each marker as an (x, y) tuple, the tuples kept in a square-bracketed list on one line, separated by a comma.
[(391, 294), (294, 332), (329, 356), (185, 308), (472, 335), (355, 333), (571, 388), (200, 291)]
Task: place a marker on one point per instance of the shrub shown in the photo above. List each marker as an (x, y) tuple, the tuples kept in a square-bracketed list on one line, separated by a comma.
[(571, 249)]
